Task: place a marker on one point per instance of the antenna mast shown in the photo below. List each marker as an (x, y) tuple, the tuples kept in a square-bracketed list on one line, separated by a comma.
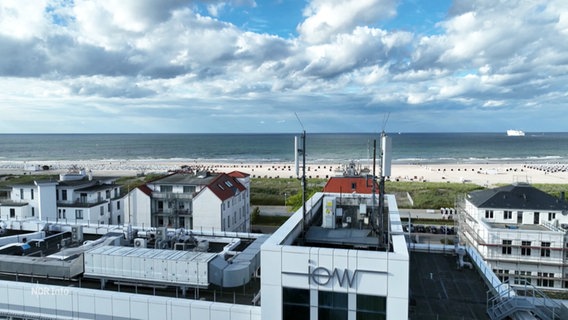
[(302, 150), (385, 172)]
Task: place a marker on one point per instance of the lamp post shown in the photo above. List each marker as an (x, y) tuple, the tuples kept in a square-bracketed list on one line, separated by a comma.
[(285, 203)]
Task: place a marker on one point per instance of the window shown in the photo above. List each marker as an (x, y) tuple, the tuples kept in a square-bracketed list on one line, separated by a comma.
[(545, 249), (506, 249), (188, 189), (33, 212), (166, 188), (353, 185), (64, 195), (519, 217), (507, 214), (522, 277), (296, 304), (525, 248), (118, 205), (32, 194), (503, 275), (21, 194), (78, 214), (489, 214), (12, 213), (545, 279), (228, 184), (551, 215), (371, 307), (102, 210), (332, 305), (536, 217), (107, 194)]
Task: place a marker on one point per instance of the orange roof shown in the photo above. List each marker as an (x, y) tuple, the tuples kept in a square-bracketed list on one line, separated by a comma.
[(238, 174), (225, 186), (350, 185)]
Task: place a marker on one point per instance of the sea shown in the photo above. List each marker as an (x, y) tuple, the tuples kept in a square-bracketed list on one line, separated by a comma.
[(267, 148)]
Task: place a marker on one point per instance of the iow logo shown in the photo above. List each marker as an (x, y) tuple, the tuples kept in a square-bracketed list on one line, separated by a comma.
[(322, 276)]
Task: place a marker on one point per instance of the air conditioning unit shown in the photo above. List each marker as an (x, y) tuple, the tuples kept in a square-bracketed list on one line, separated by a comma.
[(77, 233), (140, 243)]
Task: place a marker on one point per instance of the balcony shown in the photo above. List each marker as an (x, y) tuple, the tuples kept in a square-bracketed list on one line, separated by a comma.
[(172, 212), (172, 195)]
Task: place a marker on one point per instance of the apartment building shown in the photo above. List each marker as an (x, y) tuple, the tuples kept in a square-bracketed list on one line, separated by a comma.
[(74, 198), (521, 232), (193, 200)]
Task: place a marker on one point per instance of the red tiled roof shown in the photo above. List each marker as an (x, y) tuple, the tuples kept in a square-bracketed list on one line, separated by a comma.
[(238, 174), (350, 185), (145, 189), (225, 186)]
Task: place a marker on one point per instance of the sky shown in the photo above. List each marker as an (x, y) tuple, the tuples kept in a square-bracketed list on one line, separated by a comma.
[(263, 66)]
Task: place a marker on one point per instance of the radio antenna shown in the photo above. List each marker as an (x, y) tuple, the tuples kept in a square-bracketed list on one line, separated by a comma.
[(302, 150), (385, 121)]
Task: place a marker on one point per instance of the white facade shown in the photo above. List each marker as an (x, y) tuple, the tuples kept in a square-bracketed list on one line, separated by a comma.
[(193, 201), (357, 277), (520, 244), (207, 211), (83, 201), (137, 206)]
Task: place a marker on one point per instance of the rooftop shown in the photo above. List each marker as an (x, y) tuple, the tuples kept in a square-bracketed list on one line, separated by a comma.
[(439, 290), (517, 196)]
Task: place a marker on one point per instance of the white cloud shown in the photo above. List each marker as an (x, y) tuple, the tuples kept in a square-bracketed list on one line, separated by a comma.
[(145, 59), (327, 18)]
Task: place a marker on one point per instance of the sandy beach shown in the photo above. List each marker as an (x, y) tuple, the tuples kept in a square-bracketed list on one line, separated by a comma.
[(488, 175)]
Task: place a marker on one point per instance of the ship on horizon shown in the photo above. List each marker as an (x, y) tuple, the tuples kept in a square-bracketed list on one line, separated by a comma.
[(515, 133)]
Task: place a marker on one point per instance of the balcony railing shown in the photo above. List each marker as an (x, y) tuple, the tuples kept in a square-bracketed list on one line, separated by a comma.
[(171, 212), (172, 195)]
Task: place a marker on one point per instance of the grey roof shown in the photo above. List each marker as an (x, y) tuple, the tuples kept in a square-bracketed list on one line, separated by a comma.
[(187, 179), (516, 196)]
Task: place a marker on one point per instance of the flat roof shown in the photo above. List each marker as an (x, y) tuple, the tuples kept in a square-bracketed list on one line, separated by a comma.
[(438, 290), (186, 179)]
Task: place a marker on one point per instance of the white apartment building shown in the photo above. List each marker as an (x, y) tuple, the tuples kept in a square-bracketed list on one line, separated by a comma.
[(75, 198), (521, 233), (201, 200)]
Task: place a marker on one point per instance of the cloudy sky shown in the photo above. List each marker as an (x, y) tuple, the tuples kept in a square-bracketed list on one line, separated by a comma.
[(250, 65)]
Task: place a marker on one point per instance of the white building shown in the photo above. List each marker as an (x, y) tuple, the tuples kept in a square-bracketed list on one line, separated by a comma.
[(73, 198), (201, 200), (339, 271), (521, 233)]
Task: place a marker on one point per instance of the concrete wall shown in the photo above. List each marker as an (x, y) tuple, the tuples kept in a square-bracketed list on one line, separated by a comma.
[(207, 211)]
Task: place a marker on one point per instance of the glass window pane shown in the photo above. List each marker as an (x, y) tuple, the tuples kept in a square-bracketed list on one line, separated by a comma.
[(332, 299), (296, 312), (296, 296)]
